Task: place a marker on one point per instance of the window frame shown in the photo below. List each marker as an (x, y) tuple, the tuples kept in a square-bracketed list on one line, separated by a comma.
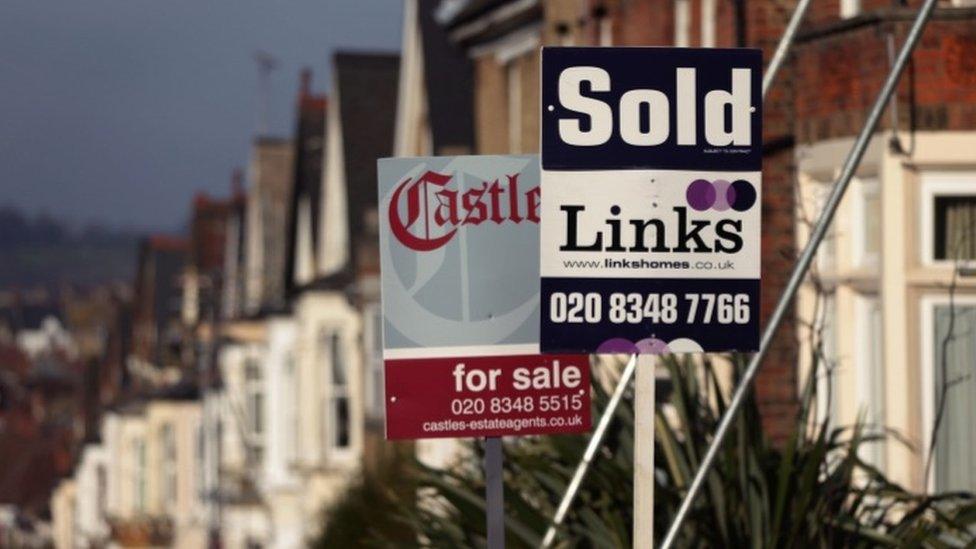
[(329, 335), (927, 304), (933, 185), (292, 449), (827, 253), (827, 380), (140, 485), (849, 8), (375, 378), (868, 368), (254, 387), (169, 466), (862, 259), (255, 409), (605, 31), (709, 15), (682, 23)]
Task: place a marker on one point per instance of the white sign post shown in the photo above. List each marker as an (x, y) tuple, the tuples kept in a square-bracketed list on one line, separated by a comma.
[(644, 452), (649, 230)]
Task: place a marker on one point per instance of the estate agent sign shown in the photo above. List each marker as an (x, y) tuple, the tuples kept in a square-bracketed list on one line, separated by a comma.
[(459, 245), (651, 163)]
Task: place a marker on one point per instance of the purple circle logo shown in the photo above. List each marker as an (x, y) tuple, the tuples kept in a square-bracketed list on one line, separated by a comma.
[(700, 195), (720, 195)]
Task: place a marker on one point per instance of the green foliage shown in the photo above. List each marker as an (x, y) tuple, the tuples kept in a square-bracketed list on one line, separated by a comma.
[(812, 491), (367, 514)]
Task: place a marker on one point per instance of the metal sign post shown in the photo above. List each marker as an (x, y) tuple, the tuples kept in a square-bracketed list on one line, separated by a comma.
[(803, 264), (494, 493)]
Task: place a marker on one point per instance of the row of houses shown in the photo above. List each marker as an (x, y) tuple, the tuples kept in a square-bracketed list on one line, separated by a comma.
[(252, 394)]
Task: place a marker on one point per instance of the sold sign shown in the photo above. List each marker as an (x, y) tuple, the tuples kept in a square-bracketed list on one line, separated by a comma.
[(650, 226)]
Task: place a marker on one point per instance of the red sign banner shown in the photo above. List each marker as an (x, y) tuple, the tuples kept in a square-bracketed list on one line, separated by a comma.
[(487, 396)]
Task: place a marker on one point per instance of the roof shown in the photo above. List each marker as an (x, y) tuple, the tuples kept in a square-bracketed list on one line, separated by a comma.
[(449, 81), (309, 150), (478, 21), (458, 11), (367, 85), (29, 316), (184, 390), (52, 372)]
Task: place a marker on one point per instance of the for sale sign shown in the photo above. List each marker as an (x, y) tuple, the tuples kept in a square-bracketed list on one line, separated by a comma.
[(459, 249), (651, 162)]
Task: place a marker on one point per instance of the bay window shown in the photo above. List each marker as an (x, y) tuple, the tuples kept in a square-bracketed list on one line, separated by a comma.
[(948, 384)]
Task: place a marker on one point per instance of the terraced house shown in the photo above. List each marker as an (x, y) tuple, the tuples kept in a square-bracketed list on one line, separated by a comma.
[(247, 394)]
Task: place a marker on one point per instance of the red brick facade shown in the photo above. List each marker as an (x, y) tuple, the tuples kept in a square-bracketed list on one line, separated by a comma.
[(651, 22), (823, 91), (845, 63)]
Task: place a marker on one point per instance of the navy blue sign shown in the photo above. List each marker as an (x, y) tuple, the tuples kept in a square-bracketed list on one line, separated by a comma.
[(665, 108), (655, 316), (651, 178)]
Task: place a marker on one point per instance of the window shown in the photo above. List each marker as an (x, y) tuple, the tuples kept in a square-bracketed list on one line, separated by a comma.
[(849, 8), (682, 23), (139, 474), (514, 76), (867, 228), (255, 396), (708, 23), (373, 334), (869, 366), (291, 409), (606, 31), (337, 423), (827, 252), (948, 217), (826, 326), (167, 440), (340, 395), (955, 227), (254, 402), (200, 454), (949, 356), (101, 489)]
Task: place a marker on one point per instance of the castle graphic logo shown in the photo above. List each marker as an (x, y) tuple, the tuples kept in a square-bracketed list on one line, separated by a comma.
[(425, 212)]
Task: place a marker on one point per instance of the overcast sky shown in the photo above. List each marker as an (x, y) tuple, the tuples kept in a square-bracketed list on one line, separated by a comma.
[(117, 111)]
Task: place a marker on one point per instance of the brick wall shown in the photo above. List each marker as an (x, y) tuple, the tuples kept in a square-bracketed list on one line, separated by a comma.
[(823, 91), (650, 23), (842, 66)]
